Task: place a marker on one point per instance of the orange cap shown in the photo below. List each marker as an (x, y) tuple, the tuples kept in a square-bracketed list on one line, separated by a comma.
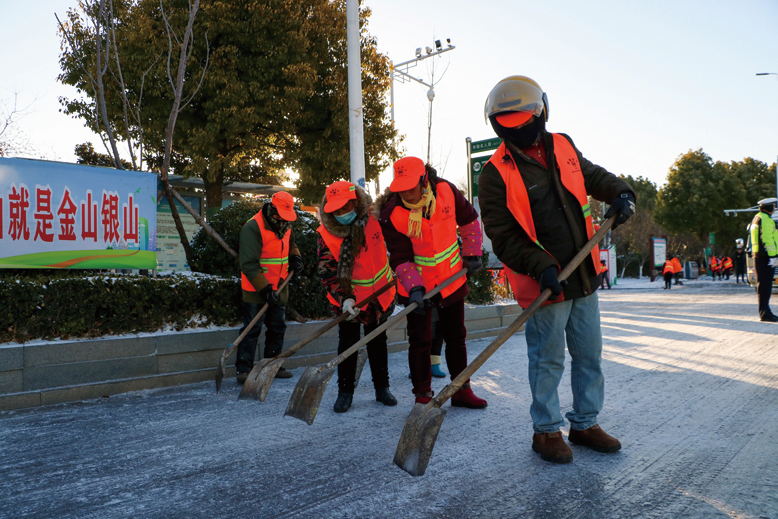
[(513, 119), (284, 204), (338, 194), (407, 172)]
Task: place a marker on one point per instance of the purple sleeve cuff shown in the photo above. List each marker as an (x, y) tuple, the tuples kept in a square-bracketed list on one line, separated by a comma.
[(409, 276), (472, 239)]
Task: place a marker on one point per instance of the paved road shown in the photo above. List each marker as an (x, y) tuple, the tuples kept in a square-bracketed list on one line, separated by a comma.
[(691, 390)]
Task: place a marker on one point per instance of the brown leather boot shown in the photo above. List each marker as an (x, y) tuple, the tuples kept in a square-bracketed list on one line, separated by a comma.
[(552, 447), (595, 438)]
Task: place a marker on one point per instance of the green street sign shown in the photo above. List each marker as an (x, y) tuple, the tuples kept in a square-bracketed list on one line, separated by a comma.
[(476, 166), (712, 238), (485, 145)]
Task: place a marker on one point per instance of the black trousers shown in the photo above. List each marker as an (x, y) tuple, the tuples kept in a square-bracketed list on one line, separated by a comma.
[(274, 334), (451, 325), (348, 334), (764, 283), (668, 280)]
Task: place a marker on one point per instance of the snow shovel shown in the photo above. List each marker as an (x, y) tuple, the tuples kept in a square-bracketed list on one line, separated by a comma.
[(307, 394), (231, 347), (263, 373), (423, 424)]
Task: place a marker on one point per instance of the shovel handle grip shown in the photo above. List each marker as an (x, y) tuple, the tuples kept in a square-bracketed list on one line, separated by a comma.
[(392, 321), (228, 350), (330, 324), (482, 357)]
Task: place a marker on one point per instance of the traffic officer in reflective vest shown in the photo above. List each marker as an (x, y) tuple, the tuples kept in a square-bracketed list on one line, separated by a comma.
[(764, 247), (420, 217), (533, 195), (353, 263), (266, 253)]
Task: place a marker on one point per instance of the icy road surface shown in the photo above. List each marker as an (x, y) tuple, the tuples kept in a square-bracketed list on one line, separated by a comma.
[(691, 391)]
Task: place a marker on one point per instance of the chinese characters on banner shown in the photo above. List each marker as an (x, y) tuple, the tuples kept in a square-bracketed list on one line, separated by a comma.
[(58, 215)]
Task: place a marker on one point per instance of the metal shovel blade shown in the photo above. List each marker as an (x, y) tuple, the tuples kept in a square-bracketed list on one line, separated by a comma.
[(307, 394), (219, 373), (262, 375), (418, 438), (361, 358)]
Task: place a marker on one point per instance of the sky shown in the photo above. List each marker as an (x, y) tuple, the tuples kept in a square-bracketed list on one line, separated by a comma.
[(635, 84)]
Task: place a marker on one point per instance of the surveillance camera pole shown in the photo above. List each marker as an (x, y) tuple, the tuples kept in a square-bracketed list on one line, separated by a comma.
[(400, 72)]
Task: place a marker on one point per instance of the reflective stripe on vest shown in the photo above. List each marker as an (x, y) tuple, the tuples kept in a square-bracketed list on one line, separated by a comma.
[(371, 265), (524, 287), (273, 258), (436, 252)]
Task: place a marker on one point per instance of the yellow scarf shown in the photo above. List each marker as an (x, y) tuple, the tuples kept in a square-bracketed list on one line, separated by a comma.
[(425, 205)]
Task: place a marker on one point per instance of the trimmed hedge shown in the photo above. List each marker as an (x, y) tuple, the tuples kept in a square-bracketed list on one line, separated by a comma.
[(66, 307)]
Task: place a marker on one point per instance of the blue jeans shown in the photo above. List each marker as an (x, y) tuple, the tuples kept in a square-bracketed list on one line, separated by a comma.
[(578, 321)]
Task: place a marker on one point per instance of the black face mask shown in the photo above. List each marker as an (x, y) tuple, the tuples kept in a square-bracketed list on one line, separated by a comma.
[(521, 137)]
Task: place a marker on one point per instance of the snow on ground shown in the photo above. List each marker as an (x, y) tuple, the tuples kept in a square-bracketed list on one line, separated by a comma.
[(691, 390)]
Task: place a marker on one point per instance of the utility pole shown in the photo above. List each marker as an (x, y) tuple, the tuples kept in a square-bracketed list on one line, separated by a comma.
[(356, 137), (400, 72)]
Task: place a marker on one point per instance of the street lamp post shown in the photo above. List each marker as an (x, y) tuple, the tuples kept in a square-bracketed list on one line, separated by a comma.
[(776, 162), (399, 71)]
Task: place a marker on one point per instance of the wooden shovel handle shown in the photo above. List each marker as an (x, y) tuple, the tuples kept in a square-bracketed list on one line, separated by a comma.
[(392, 321), (471, 368), (321, 331), (256, 319)]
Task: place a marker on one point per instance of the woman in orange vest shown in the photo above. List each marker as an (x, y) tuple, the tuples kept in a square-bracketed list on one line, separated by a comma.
[(667, 273), (726, 267), (266, 253), (715, 266), (423, 217), (533, 195), (353, 264), (677, 270)]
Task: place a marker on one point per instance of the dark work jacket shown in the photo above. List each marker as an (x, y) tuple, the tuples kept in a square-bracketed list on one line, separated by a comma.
[(559, 222)]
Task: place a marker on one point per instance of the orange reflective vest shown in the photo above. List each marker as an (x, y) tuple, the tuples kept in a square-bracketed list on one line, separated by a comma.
[(668, 268), (371, 264), (273, 258), (436, 251), (676, 265), (726, 263), (524, 287), (714, 263)]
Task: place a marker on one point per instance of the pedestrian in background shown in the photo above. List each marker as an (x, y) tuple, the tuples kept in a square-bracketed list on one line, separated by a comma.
[(604, 277), (677, 270), (667, 273), (740, 261), (764, 247)]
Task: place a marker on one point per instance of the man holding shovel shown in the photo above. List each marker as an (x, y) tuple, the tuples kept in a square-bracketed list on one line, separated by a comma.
[(533, 194), (353, 264), (266, 253), (420, 217)]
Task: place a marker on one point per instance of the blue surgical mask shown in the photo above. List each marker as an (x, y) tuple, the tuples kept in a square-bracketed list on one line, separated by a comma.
[(346, 218)]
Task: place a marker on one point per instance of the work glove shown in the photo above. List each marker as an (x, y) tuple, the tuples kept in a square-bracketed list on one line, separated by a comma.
[(623, 206), (416, 295), (548, 279), (271, 297), (473, 264), (350, 308), (774, 261), (296, 263)]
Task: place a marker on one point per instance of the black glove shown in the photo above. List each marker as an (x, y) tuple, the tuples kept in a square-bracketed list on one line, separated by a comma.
[(271, 297), (473, 264), (548, 279), (623, 206), (416, 295), (296, 263)]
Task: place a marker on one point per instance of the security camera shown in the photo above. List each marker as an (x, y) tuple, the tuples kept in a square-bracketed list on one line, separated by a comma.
[(418, 52), (448, 41), (428, 49), (438, 46)]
